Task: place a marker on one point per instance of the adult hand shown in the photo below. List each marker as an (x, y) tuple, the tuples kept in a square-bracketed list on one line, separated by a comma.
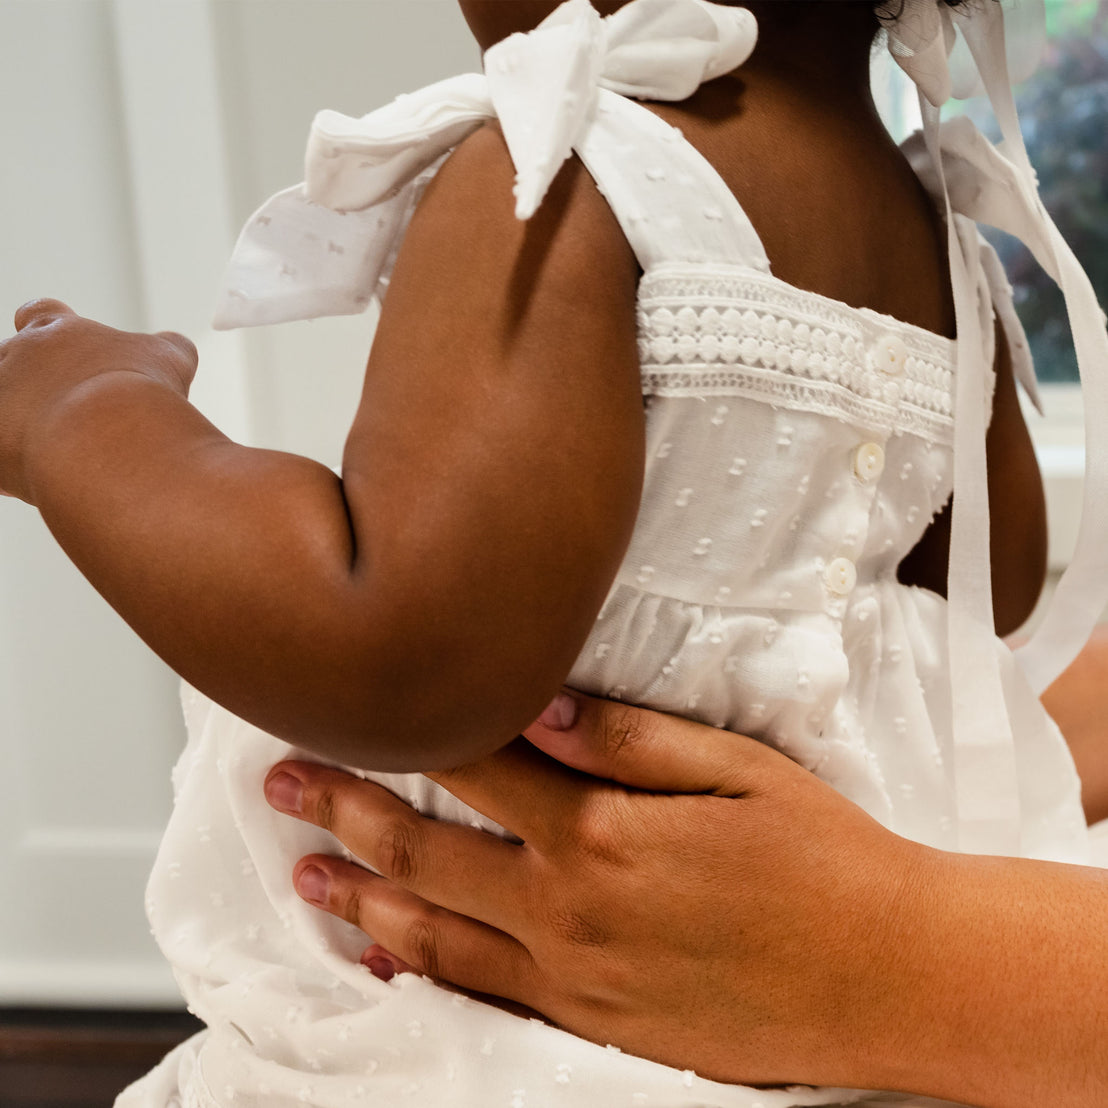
[(53, 353), (624, 902)]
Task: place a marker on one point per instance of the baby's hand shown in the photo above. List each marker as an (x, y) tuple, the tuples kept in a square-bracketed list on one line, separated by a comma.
[(52, 356)]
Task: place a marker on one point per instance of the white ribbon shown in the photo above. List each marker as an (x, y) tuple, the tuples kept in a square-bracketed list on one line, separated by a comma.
[(999, 188), (1012, 202), (319, 249)]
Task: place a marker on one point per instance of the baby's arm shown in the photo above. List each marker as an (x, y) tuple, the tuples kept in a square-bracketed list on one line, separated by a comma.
[(424, 608)]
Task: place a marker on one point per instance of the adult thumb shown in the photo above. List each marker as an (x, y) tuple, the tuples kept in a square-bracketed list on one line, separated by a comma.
[(645, 749)]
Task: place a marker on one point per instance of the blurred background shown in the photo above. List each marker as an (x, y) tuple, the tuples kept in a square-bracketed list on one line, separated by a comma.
[(139, 135)]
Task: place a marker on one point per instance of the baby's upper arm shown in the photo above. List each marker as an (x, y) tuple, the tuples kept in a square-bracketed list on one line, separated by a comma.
[(494, 466)]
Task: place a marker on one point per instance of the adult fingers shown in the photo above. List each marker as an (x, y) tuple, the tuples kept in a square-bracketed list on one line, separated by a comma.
[(418, 935), (648, 750), (462, 869), (38, 313)]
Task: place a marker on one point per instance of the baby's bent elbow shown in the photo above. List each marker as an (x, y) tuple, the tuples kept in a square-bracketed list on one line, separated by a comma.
[(427, 719)]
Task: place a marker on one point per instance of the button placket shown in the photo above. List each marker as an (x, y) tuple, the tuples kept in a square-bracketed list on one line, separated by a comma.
[(889, 356)]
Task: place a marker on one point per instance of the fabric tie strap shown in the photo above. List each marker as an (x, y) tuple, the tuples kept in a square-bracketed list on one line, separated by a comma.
[(999, 187), (319, 248)]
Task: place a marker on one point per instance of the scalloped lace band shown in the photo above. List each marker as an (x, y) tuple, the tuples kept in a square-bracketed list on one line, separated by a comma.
[(711, 331)]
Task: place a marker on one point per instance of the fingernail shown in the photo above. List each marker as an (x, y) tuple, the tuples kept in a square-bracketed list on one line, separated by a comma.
[(313, 884), (285, 793), (560, 714), (380, 967)]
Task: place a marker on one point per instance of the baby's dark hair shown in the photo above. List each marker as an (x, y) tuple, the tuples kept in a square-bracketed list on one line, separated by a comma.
[(890, 16), (948, 3)]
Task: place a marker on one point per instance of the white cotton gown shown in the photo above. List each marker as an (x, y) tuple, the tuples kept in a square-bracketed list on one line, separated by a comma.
[(797, 449)]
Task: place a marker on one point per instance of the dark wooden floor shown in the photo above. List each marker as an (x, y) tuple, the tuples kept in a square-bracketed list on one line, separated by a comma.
[(72, 1058)]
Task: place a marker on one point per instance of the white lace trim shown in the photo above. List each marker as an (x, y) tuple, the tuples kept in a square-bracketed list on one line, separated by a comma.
[(715, 330), (818, 397)]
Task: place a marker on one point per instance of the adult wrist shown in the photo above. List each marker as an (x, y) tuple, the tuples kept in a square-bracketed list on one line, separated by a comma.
[(994, 1001), (884, 1036)]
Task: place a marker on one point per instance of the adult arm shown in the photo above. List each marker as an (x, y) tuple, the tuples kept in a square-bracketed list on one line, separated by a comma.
[(489, 485), (719, 908), (1077, 702)]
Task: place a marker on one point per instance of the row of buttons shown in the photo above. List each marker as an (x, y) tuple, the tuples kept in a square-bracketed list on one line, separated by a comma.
[(888, 354), (841, 575)]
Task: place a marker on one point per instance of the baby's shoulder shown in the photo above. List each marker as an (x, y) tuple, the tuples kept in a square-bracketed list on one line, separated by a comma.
[(836, 205), (473, 193), (465, 251)]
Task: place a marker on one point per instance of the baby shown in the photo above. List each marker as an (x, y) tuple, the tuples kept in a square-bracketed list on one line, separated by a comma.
[(748, 252)]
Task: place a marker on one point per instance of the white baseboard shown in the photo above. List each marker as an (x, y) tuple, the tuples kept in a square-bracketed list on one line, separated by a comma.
[(88, 984)]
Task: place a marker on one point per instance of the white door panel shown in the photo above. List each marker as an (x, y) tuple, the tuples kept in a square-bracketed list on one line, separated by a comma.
[(138, 135)]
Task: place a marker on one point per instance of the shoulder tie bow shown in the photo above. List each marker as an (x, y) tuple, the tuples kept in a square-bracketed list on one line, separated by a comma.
[(319, 249)]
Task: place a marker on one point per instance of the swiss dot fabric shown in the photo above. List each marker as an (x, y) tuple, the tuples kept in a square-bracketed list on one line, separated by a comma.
[(796, 450)]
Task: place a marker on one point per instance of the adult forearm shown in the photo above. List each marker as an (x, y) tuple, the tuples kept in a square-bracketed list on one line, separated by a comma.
[(1076, 702), (1002, 995)]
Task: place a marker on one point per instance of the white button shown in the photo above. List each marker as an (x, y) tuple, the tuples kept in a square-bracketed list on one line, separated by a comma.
[(889, 355), (840, 576), (869, 462)]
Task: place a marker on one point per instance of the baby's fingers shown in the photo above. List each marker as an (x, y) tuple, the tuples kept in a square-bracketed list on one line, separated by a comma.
[(183, 355), (39, 313), (383, 963)]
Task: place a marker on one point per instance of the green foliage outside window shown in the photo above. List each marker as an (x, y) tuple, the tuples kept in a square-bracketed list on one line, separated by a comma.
[(1064, 110)]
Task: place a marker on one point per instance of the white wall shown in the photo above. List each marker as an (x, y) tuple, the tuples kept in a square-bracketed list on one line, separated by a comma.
[(138, 135), (280, 61)]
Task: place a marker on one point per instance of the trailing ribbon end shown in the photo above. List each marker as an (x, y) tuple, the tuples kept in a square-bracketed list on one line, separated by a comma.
[(529, 195), (543, 88), (544, 84)]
